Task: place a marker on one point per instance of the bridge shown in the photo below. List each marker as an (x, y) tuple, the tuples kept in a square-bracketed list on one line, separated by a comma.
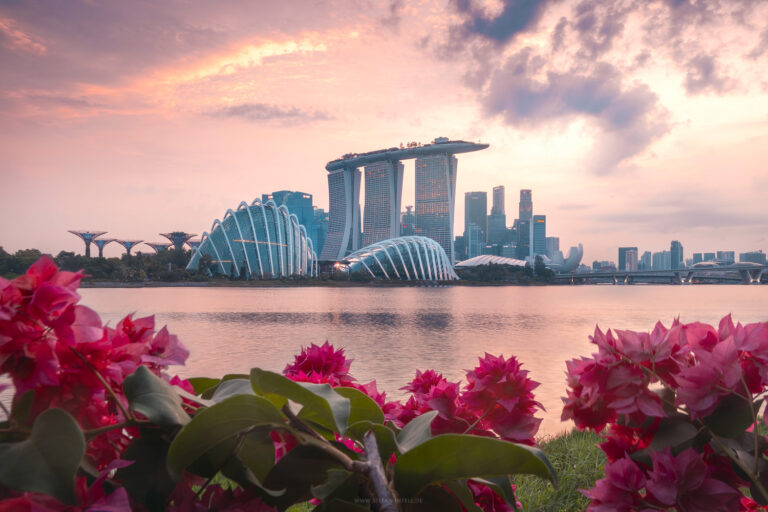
[(746, 273)]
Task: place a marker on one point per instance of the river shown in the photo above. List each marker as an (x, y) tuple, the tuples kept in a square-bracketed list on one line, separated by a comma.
[(392, 332)]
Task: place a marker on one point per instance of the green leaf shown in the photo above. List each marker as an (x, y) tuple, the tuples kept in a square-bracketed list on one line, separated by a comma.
[(302, 468), (216, 424), (732, 417), (463, 494), (418, 430), (21, 408), (362, 407), (208, 393), (451, 456), (147, 480), (257, 453), (322, 404), (675, 432), (201, 384), (432, 498), (151, 396), (47, 461), (385, 438), (336, 477), (232, 387)]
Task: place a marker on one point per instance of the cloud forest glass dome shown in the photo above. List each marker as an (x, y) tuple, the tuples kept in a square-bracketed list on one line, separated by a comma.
[(260, 241), (408, 258)]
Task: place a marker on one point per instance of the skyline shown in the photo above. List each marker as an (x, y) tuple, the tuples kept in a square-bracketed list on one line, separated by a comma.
[(633, 124)]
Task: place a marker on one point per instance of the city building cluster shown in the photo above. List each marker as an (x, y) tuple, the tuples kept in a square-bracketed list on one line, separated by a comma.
[(488, 233), (630, 259)]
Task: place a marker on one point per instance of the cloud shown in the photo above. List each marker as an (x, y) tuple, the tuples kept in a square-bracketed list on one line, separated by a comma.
[(761, 47), (628, 118), (516, 16), (597, 26), (16, 39), (263, 112), (703, 75), (393, 17)]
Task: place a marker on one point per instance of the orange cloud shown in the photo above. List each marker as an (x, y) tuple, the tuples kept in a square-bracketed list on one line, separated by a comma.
[(17, 39)]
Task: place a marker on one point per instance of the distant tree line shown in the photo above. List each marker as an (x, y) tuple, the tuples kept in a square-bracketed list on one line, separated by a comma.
[(167, 266)]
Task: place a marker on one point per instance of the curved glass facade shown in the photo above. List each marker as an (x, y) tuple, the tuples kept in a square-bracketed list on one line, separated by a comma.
[(408, 258), (260, 240)]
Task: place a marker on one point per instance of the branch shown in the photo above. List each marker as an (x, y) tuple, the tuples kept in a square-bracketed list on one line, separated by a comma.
[(385, 496)]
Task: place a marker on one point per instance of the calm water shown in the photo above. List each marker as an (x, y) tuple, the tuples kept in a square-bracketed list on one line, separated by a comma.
[(392, 332)]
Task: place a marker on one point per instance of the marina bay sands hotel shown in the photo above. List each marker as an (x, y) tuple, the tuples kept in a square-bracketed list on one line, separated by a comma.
[(435, 195)]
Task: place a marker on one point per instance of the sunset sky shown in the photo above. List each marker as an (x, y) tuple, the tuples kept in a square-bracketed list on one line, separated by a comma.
[(634, 122)]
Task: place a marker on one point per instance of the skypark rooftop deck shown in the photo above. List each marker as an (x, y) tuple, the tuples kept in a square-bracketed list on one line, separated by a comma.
[(404, 153)]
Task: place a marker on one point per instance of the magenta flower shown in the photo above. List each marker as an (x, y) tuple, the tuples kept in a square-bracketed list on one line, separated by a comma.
[(620, 490), (684, 481), (320, 363)]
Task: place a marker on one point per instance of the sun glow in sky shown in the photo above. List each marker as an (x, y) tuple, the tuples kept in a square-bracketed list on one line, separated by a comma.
[(634, 123)]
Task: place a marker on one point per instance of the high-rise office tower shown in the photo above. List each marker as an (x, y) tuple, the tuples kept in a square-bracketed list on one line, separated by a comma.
[(475, 212), (344, 213), (539, 234), (676, 251), (631, 260), (727, 257), (475, 242), (498, 201), (697, 258), (623, 256), (383, 193), (407, 222), (553, 245), (435, 199), (319, 230), (645, 261), (709, 256), (497, 228), (300, 204), (523, 239), (526, 205)]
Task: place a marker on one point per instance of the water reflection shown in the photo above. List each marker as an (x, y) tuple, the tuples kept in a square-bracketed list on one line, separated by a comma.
[(390, 333)]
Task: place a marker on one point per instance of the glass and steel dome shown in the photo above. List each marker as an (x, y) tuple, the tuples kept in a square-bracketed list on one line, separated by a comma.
[(260, 240), (408, 258)]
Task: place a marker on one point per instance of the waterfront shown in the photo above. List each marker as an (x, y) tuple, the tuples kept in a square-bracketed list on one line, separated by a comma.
[(391, 332)]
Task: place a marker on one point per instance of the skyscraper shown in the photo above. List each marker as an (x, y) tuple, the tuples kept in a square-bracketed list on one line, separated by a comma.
[(498, 201), (300, 204), (475, 242), (344, 213), (475, 212), (623, 256), (676, 251), (631, 261), (526, 205), (539, 234), (435, 198), (553, 245), (407, 222), (497, 228), (523, 239), (645, 261), (383, 193)]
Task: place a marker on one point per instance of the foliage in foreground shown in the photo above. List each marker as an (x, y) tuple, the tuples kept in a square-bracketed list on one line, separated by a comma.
[(681, 409), (97, 424)]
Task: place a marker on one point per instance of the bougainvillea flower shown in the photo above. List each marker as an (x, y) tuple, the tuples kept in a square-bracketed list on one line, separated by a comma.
[(321, 362), (620, 490), (684, 481)]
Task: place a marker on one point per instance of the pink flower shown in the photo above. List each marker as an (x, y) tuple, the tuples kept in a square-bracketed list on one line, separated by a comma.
[(320, 363), (620, 490), (487, 499), (684, 481), (502, 391)]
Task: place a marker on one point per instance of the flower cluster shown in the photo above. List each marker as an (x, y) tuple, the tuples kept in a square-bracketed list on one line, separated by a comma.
[(680, 405), (58, 354), (496, 401)]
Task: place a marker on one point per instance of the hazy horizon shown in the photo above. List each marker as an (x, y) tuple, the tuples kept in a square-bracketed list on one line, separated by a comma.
[(634, 123)]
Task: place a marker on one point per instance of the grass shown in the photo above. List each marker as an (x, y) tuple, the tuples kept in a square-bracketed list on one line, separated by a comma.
[(578, 462)]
